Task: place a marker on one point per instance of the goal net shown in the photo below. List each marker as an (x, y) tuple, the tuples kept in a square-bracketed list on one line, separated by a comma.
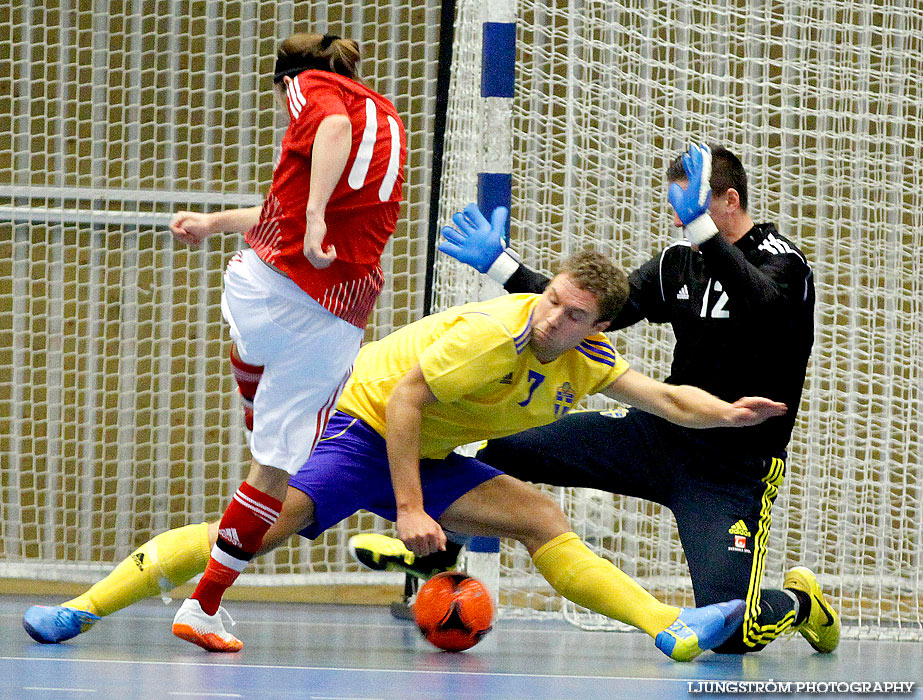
[(118, 413), (119, 420), (822, 101)]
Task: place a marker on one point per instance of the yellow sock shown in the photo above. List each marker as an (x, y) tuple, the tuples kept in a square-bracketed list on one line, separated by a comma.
[(595, 583), (161, 564)]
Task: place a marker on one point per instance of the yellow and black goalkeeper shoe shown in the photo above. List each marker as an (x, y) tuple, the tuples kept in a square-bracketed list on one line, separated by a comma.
[(383, 553), (822, 625), (380, 552)]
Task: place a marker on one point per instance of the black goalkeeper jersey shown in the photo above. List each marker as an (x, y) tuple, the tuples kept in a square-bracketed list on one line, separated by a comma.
[(743, 317)]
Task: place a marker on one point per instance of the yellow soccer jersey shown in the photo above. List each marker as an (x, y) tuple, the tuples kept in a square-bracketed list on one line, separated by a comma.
[(477, 361)]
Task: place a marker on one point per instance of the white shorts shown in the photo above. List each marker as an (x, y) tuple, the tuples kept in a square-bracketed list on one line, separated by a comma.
[(307, 354)]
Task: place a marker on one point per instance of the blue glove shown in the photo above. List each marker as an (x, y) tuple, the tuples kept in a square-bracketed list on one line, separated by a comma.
[(691, 204), (480, 243)]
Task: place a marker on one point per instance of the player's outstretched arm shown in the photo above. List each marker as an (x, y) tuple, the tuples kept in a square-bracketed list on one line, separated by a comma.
[(480, 243), (690, 406), (192, 228), (404, 417), (691, 203)]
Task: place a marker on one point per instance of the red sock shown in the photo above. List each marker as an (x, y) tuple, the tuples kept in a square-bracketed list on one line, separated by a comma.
[(248, 378), (240, 535)]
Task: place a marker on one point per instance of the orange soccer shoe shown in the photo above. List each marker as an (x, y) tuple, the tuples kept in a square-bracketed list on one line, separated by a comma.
[(207, 631)]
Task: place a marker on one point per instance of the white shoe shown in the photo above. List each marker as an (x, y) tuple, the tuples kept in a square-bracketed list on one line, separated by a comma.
[(192, 624)]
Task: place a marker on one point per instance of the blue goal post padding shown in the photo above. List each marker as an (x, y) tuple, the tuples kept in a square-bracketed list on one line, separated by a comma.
[(484, 544), (495, 190), (498, 59)]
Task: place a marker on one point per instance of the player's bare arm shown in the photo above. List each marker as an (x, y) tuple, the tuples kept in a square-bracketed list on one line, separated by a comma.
[(403, 417), (332, 145), (690, 406), (192, 227)]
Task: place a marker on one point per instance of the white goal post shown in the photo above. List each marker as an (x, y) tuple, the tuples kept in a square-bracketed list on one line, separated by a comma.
[(822, 101)]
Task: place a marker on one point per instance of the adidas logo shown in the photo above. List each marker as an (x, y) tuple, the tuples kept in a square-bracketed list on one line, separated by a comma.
[(683, 293), (230, 535), (739, 528), (508, 379)]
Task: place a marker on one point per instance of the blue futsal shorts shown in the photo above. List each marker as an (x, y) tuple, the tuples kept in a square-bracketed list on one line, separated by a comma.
[(349, 471)]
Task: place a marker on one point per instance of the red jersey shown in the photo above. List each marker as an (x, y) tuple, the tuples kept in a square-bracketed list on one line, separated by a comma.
[(363, 209)]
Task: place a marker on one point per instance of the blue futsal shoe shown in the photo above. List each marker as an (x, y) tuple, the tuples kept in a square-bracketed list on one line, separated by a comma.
[(699, 629), (53, 624)]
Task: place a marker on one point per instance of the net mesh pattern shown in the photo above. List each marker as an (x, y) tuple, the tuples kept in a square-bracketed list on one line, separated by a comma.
[(119, 417), (822, 103)]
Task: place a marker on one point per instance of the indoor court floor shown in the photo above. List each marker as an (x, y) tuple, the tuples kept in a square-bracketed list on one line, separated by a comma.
[(325, 652)]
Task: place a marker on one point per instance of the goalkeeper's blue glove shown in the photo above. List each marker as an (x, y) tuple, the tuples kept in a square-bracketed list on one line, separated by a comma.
[(480, 243), (691, 204)]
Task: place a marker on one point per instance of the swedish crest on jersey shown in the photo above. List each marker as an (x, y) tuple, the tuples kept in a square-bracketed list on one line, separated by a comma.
[(563, 399)]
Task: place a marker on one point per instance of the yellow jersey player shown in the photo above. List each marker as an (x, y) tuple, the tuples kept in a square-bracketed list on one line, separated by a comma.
[(740, 299), (480, 371)]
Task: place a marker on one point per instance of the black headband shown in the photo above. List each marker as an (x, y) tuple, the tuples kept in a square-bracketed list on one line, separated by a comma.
[(296, 63)]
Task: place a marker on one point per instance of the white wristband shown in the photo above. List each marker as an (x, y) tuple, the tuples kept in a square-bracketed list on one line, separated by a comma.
[(503, 268), (700, 229)]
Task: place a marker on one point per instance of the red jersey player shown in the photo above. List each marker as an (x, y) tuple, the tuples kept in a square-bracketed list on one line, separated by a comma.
[(298, 298)]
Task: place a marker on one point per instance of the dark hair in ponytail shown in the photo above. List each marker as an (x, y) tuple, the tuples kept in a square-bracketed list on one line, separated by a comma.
[(326, 52)]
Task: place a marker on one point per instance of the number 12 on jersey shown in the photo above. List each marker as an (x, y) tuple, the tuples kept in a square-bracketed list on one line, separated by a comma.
[(718, 310)]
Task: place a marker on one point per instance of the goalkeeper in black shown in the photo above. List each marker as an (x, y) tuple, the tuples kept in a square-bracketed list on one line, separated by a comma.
[(740, 299)]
